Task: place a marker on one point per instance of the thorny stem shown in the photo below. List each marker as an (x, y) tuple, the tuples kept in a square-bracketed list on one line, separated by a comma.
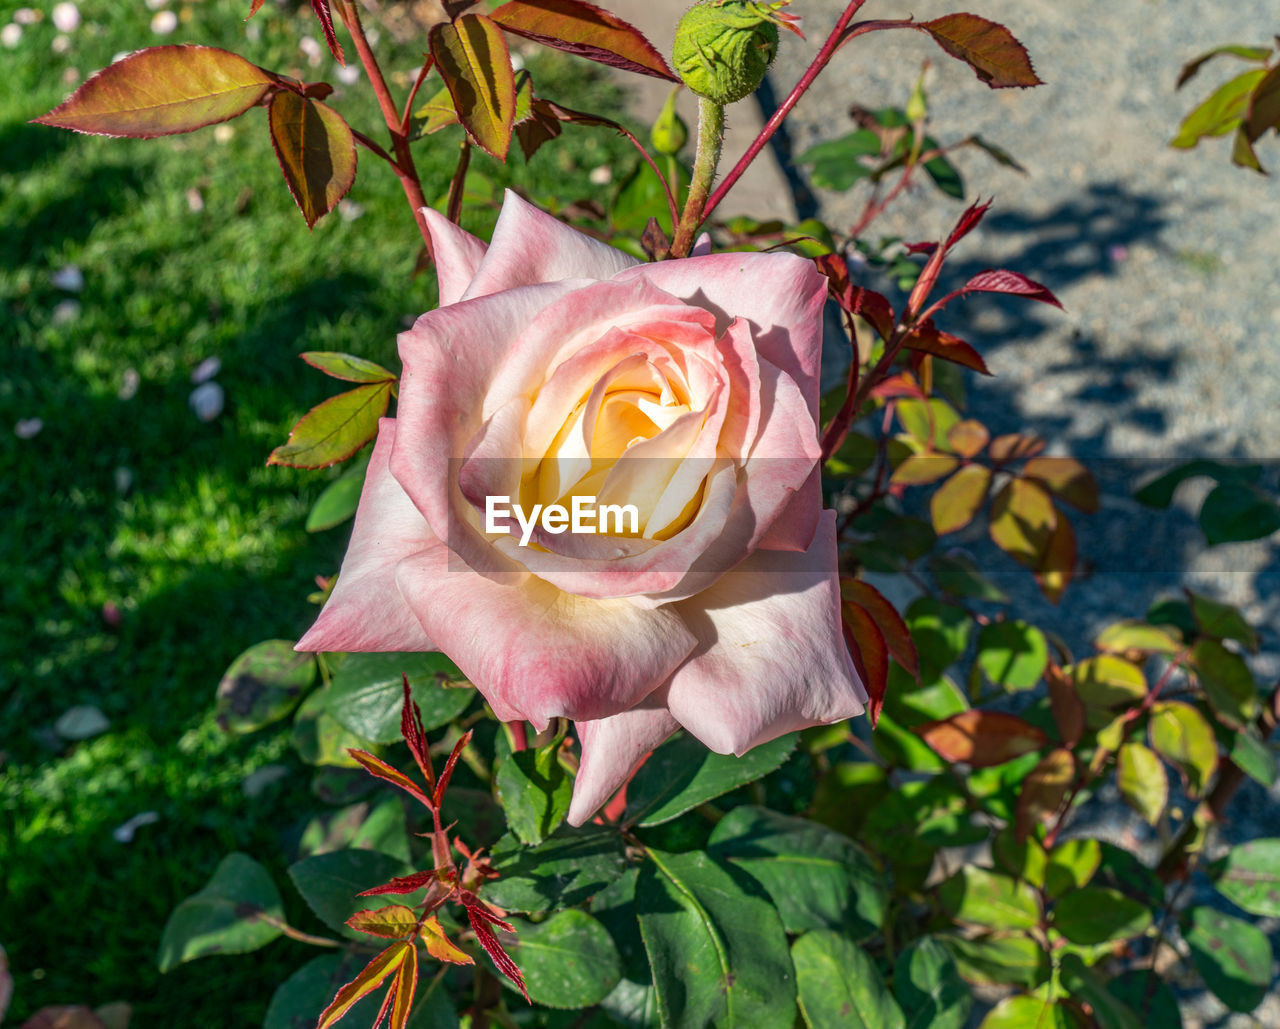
[(707, 156), (403, 164), (806, 80)]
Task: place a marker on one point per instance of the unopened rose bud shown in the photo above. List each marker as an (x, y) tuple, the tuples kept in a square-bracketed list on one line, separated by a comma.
[(669, 133), (724, 47)]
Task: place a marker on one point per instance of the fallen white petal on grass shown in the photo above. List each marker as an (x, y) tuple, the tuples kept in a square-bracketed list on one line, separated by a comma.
[(601, 176), (164, 22), (126, 832), (207, 401), (11, 35), (28, 428), (70, 278), (349, 75), (27, 16), (66, 311), (257, 782), (206, 370), (60, 45), (129, 383), (81, 723), (66, 17)]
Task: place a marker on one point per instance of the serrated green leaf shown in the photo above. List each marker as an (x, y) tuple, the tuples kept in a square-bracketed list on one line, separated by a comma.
[(1227, 683), (928, 985), (568, 961), (1012, 958), (316, 150), (1255, 758), (941, 634), (1250, 876), (472, 58), (319, 738), (818, 879), (562, 871), (225, 917), (1097, 914), (1180, 734), (1233, 956), (682, 774), (837, 163), (716, 947), (1027, 1012), (329, 883), (534, 791), (1013, 654), (334, 430), (367, 693), (347, 367), (979, 896), (840, 985), (339, 500), (1070, 865), (1142, 781), (262, 685)]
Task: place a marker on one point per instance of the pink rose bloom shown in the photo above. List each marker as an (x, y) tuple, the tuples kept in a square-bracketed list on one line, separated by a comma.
[(558, 367)]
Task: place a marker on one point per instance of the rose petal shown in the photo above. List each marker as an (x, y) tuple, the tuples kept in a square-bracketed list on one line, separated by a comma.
[(795, 527), (530, 247), (457, 255), (533, 649), (781, 294), (611, 749), (771, 655), (366, 610)]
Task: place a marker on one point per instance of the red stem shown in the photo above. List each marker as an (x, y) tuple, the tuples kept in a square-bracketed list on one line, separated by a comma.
[(806, 80), (403, 163), (407, 117)]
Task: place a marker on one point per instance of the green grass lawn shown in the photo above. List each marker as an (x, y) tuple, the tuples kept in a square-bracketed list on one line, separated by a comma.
[(131, 501)]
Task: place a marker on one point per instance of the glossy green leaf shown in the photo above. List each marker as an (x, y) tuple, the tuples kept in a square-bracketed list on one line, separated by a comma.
[(959, 575), (298, 1000), (162, 90), (560, 872), (1027, 1012), (1159, 491), (1071, 865), (818, 879), (906, 708), (568, 960), (1222, 621), (1087, 985), (1180, 734), (1106, 682), (472, 58), (1255, 758), (1097, 914), (1245, 53), (1235, 512), (1227, 683), (329, 883), (585, 30), (682, 773), (1220, 113), (1012, 958), (1121, 637), (225, 917), (263, 685), (944, 174), (367, 692), (319, 738), (1153, 1001), (640, 197), (941, 633), (716, 947), (979, 896), (339, 500), (929, 988), (1250, 876), (1013, 654), (1233, 955), (347, 367), (1023, 859), (1142, 781), (838, 163), (316, 150), (839, 985), (534, 791), (335, 429), (360, 826)]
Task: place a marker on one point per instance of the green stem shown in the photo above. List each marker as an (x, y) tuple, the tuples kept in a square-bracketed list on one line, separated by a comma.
[(710, 139)]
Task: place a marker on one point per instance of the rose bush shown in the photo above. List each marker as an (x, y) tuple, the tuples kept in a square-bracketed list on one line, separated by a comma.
[(558, 366)]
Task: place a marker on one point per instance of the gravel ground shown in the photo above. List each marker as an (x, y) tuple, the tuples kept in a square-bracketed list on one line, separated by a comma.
[(1165, 260)]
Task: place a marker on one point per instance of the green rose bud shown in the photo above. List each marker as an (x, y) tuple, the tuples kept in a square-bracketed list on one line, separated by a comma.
[(723, 47), (669, 133)]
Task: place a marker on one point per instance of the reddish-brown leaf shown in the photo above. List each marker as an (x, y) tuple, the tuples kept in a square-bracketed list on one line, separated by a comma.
[(482, 919), (163, 90), (377, 767), (254, 9), (440, 947), (334, 430), (987, 47), (415, 735), (929, 339), (1067, 479), (1013, 447), (447, 773), (321, 7), (586, 30), (364, 984), (1058, 562), (472, 57), (969, 221), (982, 738), (402, 884), (395, 922), (1023, 520), (316, 150), (1044, 790), (1001, 280), (967, 438), (894, 630), (1068, 708), (957, 501), (869, 653)]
